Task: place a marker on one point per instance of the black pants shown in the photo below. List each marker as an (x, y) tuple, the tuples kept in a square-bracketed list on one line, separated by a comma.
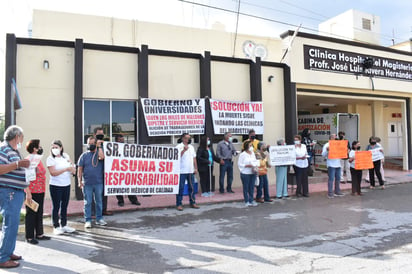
[(302, 184), (132, 199), (377, 169), (34, 220), (206, 179), (356, 180)]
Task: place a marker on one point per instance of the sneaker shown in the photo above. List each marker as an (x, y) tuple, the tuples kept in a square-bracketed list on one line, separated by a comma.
[(88, 224), (254, 203), (338, 194), (247, 204), (330, 196), (58, 231), (205, 194), (211, 193), (101, 222), (68, 229)]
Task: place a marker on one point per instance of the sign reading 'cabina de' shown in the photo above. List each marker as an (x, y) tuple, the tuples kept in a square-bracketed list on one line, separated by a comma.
[(332, 60)]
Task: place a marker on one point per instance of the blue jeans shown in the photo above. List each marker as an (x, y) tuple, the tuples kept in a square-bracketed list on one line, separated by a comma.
[(11, 200), (248, 182), (227, 167), (333, 175), (263, 187), (190, 177), (60, 196), (90, 190), (281, 181)]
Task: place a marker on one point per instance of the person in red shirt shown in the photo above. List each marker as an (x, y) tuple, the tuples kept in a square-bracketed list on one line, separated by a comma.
[(37, 188)]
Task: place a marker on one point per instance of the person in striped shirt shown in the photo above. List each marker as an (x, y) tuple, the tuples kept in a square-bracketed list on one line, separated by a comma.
[(12, 185)]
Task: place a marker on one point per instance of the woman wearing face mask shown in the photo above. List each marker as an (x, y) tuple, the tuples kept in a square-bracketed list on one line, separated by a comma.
[(61, 170), (378, 150), (37, 188), (205, 157), (281, 177), (247, 163), (356, 173), (301, 168)]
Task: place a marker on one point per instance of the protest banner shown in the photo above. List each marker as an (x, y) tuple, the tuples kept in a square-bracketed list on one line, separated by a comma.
[(363, 160), (338, 149), (282, 155), (377, 154), (174, 117), (132, 169), (237, 117)]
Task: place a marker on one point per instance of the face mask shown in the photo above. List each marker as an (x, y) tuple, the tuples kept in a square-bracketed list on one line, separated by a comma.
[(189, 142), (373, 143), (99, 137), (18, 145), (251, 149), (208, 142), (341, 137), (91, 147), (358, 148), (252, 137), (297, 142), (230, 139), (56, 151), (40, 151)]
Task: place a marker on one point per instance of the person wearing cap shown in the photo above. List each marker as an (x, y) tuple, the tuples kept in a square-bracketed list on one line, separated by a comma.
[(90, 175), (61, 170)]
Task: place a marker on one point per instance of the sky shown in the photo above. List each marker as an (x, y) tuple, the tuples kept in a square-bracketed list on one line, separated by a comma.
[(268, 18)]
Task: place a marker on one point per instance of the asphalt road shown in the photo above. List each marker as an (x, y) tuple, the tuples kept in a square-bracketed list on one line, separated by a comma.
[(350, 234)]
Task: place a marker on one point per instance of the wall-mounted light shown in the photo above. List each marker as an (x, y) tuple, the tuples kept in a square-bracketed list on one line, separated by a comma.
[(326, 105), (46, 65)]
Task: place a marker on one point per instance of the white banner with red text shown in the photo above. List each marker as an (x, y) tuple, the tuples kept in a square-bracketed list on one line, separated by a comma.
[(174, 117), (132, 169), (237, 117)]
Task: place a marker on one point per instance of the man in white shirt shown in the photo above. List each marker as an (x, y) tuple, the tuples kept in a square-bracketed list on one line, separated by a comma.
[(333, 170), (188, 167)]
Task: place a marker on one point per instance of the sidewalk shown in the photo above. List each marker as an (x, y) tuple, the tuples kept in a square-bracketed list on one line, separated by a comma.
[(317, 184)]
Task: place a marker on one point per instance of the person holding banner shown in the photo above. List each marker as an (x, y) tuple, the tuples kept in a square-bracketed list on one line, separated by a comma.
[(377, 156), (301, 168), (344, 163), (263, 157), (188, 167), (205, 157), (247, 164), (90, 175), (356, 173), (119, 138), (333, 170), (281, 177), (225, 152)]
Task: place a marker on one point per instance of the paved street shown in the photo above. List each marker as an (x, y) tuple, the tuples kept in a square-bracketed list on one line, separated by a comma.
[(350, 234)]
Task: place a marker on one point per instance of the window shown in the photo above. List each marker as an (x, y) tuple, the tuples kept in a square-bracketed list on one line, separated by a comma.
[(115, 117), (366, 24)]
